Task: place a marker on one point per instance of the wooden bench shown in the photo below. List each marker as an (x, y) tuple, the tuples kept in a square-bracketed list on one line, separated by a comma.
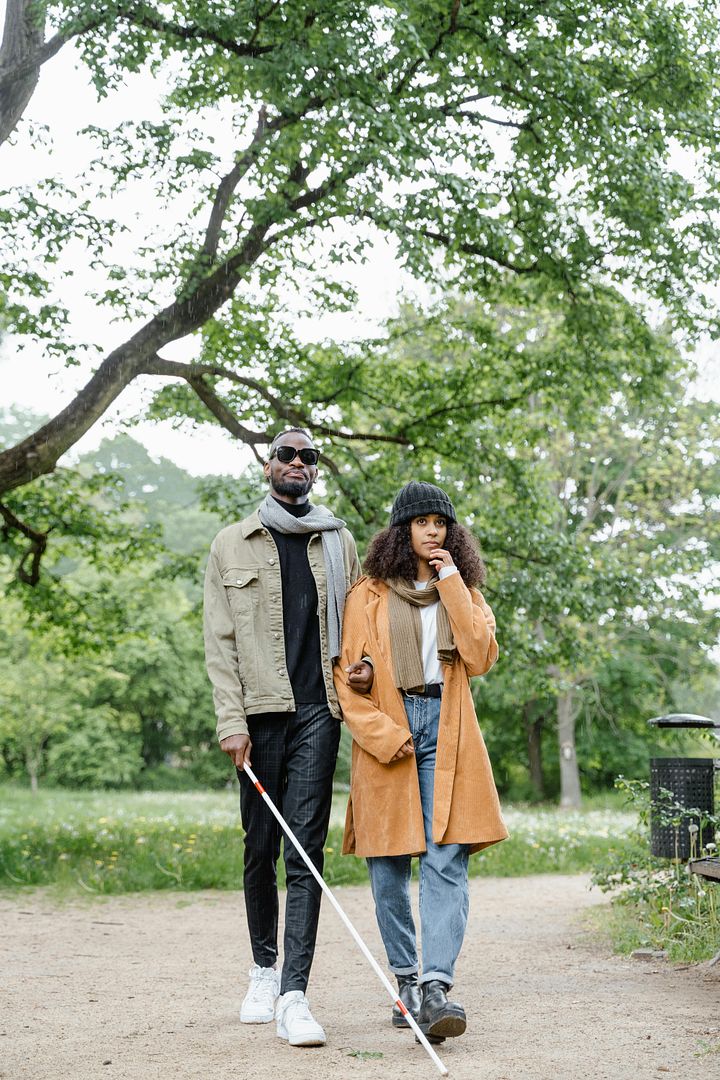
[(708, 868)]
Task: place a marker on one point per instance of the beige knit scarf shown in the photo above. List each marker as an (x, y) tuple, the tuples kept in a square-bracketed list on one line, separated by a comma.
[(406, 631)]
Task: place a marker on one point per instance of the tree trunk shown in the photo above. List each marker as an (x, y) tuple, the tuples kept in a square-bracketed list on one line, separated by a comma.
[(533, 731), (24, 33), (570, 796), (31, 764)]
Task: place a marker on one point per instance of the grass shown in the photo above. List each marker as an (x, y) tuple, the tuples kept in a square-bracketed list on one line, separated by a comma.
[(642, 926), (656, 902), (116, 842), (547, 840)]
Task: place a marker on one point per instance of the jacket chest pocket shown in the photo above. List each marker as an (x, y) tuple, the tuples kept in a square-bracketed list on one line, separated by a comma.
[(241, 589)]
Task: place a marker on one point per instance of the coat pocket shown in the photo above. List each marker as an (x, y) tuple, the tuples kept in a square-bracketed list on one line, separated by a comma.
[(241, 586)]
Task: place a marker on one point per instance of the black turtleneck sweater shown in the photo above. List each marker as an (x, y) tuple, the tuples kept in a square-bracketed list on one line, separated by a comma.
[(300, 612)]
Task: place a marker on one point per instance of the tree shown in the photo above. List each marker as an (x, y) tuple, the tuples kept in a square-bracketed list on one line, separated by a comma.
[(33, 698), (591, 485), (102, 679), (620, 541), (100, 750), (526, 141)]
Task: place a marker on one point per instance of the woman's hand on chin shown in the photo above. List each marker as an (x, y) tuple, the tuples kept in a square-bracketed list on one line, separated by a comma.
[(439, 557)]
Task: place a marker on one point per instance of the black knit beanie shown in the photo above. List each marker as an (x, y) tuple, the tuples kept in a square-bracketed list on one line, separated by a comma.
[(418, 498)]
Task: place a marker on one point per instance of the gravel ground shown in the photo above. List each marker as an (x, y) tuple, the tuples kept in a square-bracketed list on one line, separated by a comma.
[(150, 986)]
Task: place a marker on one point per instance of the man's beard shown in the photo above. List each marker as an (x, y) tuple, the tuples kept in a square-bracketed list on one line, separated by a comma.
[(293, 489)]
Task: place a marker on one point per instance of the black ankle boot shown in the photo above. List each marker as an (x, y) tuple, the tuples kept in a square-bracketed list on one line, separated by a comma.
[(409, 994), (439, 1018)]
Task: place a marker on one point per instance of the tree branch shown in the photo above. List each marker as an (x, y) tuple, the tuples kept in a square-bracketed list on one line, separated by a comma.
[(227, 185), (446, 31), (358, 436), (142, 16), (483, 118), (510, 554), (246, 159), (467, 249), (466, 406), (365, 513), (194, 305), (38, 543), (227, 418), (23, 50), (136, 15), (38, 454), (196, 373)]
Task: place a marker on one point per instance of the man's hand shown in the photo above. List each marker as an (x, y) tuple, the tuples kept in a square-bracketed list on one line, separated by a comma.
[(238, 747), (360, 676), (406, 750)]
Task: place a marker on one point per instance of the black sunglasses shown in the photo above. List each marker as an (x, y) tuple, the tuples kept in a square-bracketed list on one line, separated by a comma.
[(286, 454)]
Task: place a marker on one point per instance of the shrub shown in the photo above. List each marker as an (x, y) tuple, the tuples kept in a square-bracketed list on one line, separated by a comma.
[(666, 906), (100, 753)]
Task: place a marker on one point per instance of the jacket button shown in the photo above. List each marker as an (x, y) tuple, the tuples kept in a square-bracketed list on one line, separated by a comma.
[(276, 635), (280, 671), (271, 561)]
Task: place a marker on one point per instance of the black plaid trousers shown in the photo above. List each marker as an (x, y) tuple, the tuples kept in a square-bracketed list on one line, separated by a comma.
[(293, 756)]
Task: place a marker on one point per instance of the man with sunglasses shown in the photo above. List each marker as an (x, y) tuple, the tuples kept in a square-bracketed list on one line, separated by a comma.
[(274, 595)]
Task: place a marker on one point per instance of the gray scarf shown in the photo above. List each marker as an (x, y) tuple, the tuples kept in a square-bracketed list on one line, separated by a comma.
[(319, 519)]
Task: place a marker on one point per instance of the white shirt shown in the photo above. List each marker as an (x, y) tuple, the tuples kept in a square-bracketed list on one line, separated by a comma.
[(432, 667)]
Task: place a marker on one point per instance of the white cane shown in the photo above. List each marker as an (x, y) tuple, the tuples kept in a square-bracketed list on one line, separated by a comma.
[(325, 888)]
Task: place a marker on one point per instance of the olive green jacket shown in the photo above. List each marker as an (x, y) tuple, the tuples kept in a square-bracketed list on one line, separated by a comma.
[(244, 639)]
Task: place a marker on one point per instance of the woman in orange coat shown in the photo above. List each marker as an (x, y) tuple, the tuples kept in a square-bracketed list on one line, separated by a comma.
[(421, 779)]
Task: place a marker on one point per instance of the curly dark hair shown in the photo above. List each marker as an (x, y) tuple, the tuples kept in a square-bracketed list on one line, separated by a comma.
[(390, 554)]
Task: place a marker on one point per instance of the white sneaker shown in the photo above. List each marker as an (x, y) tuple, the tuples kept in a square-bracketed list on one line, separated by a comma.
[(258, 1006), (295, 1021)]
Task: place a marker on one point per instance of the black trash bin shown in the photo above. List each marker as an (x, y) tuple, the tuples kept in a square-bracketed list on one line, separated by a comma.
[(691, 784)]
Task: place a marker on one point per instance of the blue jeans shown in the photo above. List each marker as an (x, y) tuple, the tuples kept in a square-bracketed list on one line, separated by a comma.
[(443, 875)]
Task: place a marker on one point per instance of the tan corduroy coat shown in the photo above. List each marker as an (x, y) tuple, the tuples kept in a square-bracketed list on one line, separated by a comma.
[(384, 815)]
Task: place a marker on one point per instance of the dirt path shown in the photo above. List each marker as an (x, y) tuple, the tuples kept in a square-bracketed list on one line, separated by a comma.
[(149, 987)]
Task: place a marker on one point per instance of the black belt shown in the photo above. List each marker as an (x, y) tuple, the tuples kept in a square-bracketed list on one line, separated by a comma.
[(429, 690)]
